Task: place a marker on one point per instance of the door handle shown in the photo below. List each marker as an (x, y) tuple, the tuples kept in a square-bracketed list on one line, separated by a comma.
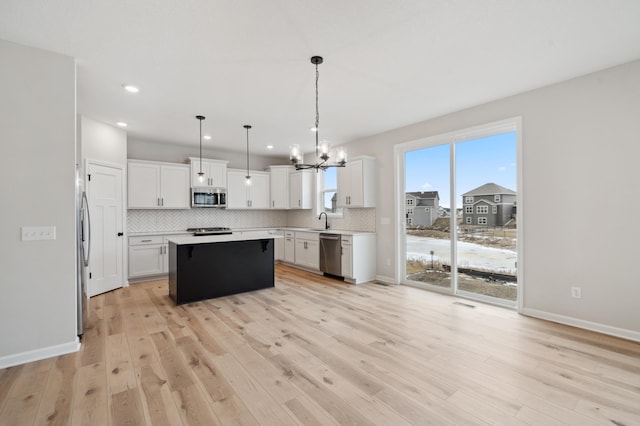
[(120, 234)]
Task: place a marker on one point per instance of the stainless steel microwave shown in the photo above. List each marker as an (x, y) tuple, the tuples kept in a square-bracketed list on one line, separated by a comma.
[(209, 197)]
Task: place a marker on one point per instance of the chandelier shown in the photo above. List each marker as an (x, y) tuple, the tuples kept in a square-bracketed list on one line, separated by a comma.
[(322, 148)]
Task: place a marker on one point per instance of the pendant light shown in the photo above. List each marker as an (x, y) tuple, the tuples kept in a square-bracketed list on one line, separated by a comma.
[(248, 181), (322, 148), (200, 173)]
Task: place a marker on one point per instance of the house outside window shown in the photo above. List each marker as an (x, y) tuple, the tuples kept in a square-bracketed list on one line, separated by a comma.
[(468, 200), (494, 209), (468, 209), (482, 221), (328, 182), (410, 202), (409, 211), (482, 209), (409, 221), (496, 198), (468, 220)]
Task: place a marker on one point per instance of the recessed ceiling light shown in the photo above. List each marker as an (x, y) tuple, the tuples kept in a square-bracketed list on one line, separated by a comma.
[(121, 124), (269, 146), (130, 88), (207, 137)]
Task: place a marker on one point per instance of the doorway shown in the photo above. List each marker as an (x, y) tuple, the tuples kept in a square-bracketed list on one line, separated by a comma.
[(459, 201)]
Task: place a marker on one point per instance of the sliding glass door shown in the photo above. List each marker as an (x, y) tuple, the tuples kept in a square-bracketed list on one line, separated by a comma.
[(459, 210)]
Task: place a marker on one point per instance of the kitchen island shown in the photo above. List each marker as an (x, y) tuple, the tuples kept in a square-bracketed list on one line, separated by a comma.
[(204, 267)]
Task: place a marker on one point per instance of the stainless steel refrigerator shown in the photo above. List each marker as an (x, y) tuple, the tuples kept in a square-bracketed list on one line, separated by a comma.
[(83, 249)]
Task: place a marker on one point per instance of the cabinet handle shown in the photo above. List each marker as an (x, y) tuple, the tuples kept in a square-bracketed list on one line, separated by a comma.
[(162, 201), (158, 201), (273, 203), (145, 241)]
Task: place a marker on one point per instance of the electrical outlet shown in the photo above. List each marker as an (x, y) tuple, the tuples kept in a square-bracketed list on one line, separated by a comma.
[(576, 292), (32, 233)]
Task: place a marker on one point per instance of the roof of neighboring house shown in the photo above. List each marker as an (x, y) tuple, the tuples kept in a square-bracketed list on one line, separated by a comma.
[(489, 189), (430, 195)]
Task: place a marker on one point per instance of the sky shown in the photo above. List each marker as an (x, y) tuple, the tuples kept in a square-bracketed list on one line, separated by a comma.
[(478, 161)]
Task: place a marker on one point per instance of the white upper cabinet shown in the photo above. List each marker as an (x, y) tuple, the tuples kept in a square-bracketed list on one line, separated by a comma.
[(280, 186), (356, 183), (243, 196), (215, 173), (155, 185), (301, 189)]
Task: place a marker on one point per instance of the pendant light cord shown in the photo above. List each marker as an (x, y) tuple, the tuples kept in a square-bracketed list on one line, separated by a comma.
[(246, 126), (317, 111)]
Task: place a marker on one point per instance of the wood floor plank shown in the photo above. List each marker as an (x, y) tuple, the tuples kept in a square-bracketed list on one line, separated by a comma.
[(315, 350), (56, 405)]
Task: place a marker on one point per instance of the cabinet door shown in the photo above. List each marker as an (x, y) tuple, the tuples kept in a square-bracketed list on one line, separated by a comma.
[(218, 175), (259, 191), (146, 260), (347, 260), (301, 253), (289, 249), (143, 184), (278, 247), (174, 184), (301, 189), (313, 254), (344, 186), (356, 183), (236, 190), (279, 188)]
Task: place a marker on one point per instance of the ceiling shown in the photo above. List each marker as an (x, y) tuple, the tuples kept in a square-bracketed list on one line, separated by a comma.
[(388, 63)]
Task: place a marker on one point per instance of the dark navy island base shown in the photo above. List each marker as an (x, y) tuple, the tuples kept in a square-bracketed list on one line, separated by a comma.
[(206, 270)]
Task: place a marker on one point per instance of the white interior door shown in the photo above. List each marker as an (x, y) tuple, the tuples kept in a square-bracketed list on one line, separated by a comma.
[(104, 190)]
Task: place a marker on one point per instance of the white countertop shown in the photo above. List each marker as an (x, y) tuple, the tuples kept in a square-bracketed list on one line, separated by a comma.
[(203, 239), (249, 230)]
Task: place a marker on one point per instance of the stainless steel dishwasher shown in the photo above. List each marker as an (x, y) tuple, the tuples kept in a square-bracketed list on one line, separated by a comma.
[(331, 254)]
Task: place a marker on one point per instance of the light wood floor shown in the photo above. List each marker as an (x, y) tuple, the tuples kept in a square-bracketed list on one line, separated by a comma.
[(316, 351)]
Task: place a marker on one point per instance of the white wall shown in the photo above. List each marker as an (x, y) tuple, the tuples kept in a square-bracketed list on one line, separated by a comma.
[(102, 142), (148, 150), (37, 188), (580, 167)]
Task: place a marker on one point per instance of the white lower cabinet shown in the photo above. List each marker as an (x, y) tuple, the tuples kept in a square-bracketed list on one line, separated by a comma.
[(278, 249), (308, 249), (289, 246), (149, 255), (359, 258)]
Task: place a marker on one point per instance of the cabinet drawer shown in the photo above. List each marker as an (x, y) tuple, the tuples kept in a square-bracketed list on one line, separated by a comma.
[(289, 234), (149, 239), (347, 239), (308, 236)]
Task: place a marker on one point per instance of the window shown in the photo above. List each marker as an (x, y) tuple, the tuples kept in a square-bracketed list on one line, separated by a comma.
[(494, 209), (468, 209), (328, 182), (426, 209), (482, 221), (468, 200), (409, 211), (468, 220), (496, 198), (482, 209), (410, 201), (409, 221)]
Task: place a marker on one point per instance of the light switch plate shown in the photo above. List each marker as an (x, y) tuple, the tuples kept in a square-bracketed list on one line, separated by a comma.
[(31, 233)]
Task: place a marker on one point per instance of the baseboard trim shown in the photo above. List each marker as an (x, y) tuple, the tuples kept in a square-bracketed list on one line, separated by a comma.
[(385, 279), (587, 325), (38, 354)]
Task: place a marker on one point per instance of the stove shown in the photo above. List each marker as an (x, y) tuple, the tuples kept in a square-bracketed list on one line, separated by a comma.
[(210, 231)]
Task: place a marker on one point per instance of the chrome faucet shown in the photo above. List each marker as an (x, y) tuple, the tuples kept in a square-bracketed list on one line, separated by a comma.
[(326, 219)]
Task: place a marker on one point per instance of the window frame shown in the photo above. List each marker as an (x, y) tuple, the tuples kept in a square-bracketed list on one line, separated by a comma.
[(482, 209), (321, 190), (468, 199), (482, 219)]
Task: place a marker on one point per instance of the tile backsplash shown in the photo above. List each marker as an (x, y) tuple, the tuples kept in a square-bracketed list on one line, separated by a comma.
[(179, 220), (352, 220)]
